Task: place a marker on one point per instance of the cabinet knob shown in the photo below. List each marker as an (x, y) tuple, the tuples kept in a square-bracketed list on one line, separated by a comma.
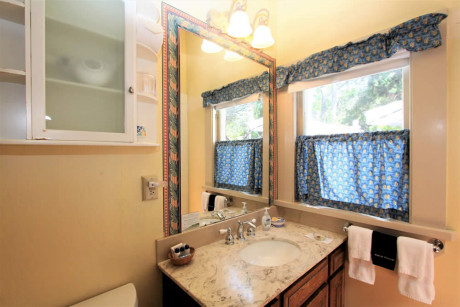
[(131, 90)]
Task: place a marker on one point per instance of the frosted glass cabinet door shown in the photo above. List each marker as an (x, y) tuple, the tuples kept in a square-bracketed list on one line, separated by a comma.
[(83, 69)]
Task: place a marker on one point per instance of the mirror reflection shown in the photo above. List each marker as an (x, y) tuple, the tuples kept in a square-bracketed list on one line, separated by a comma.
[(211, 193)]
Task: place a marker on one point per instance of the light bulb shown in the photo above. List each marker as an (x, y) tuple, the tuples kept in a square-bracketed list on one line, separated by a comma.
[(210, 47), (262, 37), (239, 25)]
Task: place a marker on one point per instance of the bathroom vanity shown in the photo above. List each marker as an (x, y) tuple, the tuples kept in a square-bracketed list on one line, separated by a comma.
[(218, 275)]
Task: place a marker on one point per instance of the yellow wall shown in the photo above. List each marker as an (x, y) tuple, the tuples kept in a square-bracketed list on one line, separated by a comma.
[(306, 27), (72, 223)]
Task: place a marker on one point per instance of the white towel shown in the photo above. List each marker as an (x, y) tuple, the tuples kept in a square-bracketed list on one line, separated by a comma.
[(220, 203), (416, 269), (205, 201), (359, 254)]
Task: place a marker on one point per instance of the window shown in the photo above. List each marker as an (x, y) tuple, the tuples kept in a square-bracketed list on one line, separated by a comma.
[(364, 104), (352, 152), (239, 148), (240, 121)]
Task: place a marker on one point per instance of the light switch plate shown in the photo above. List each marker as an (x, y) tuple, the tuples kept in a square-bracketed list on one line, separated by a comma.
[(149, 193)]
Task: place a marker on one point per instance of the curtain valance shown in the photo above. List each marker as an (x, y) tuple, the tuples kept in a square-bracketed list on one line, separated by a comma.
[(237, 89), (418, 34)]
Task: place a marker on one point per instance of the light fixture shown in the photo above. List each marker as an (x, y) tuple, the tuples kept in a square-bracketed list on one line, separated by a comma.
[(239, 25), (232, 56), (210, 47), (262, 37)]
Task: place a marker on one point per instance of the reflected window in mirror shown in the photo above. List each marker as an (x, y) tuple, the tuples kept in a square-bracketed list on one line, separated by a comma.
[(238, 154)]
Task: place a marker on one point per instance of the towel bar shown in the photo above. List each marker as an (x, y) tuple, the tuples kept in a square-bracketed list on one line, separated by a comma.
[(437, 244)]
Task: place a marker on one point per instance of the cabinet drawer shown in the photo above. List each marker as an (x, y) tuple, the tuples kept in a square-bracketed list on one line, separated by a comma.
[(336, 259), (302, 289), (319, 299)]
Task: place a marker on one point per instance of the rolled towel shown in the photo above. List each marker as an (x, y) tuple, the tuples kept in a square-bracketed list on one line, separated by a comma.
[(359, 254), (416, 269), (205, 201), (220, 203), (212, 202)]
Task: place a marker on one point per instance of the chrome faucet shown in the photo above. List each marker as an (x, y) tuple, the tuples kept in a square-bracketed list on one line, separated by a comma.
[(219, 215), (250, 232)]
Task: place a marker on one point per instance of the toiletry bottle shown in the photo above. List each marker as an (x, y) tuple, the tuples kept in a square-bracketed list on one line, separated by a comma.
[(266, 220), (182, 252), (186, 250), (245, 210), (176, 252)]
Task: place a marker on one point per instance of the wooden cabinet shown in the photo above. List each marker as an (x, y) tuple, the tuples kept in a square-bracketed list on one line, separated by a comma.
[(306, 286), (319, 299), (336, 288), (321, 286)]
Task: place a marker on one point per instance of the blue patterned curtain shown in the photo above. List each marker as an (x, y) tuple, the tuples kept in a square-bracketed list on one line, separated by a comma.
[(362, 172), (237, 89), (238, 165), (418, 34)]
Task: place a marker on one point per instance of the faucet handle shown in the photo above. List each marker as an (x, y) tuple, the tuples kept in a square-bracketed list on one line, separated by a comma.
[(229, 240)]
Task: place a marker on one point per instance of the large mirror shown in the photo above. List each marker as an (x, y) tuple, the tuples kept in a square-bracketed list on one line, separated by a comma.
[(189, 129)]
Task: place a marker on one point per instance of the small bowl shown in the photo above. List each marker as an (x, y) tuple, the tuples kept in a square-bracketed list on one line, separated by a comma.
[(318, 236), (278, 221), (182, 260)]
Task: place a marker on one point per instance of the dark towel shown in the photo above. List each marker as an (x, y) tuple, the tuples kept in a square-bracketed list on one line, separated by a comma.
[(384, 250), (212, 198)]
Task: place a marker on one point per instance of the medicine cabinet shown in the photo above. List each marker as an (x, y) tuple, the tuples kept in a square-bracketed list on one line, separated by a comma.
[(90, 79)]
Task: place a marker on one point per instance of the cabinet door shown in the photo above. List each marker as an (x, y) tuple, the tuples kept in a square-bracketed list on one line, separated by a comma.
[(83, 58), (336, 286)]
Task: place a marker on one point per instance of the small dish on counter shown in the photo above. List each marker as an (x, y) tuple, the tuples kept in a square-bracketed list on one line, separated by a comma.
[(278, 221), (182, 260)]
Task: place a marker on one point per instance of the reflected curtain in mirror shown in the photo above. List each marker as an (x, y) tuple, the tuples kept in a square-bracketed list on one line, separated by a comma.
[(238, 165)]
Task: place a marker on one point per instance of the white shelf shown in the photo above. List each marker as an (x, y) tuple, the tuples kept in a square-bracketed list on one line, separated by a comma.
[(83, 85), (12, 10), (148, 96), (76, 143), (145, 51), (12, 76)]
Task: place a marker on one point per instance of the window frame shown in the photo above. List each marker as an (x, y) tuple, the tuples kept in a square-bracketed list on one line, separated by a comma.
[(428, 95)]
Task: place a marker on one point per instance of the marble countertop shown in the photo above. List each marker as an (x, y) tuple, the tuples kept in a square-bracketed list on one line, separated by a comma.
[(217, 276)]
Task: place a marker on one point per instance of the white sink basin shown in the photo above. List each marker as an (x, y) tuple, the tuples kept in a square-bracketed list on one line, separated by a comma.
[(270, 253)]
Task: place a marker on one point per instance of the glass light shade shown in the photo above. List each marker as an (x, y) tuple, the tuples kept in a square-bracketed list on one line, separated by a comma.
[(239, 25), (210, 47), (232, 56), (262, 37)]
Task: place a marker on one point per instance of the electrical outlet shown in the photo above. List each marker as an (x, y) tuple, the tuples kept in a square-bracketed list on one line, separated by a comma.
[(149, 188)]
